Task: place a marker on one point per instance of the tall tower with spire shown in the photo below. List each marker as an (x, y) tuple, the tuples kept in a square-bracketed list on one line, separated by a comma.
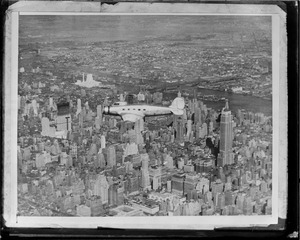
[(226, 137)]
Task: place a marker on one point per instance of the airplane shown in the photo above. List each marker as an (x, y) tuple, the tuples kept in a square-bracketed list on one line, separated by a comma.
[(133, 113)]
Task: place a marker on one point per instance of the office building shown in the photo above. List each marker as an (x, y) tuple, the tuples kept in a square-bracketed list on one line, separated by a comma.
[(113, 194), (190, 183), (226, 137), (145, 172), (63, 119), (179, 129), (111, 156), (178, 184)]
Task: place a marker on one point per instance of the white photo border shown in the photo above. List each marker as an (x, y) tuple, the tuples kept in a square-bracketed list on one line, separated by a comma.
[(279, 105)]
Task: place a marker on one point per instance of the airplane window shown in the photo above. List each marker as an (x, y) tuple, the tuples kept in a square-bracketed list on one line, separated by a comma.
[(144, 109), (123, 109), (139, 109)]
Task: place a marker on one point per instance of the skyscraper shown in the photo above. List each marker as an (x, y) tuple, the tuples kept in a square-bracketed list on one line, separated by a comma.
[(113, 194), (103, 141), (103, 185), (63, 119), (190, 183), (45, 126), (226, 136), (138, 127), (145, 171), (78, 106), (178, 184), (179, 128), (98, 119), (197, 115), (111, 156), (155, 174)]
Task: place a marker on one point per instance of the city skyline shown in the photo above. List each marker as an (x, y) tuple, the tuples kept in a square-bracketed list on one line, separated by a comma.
[(75, 160)]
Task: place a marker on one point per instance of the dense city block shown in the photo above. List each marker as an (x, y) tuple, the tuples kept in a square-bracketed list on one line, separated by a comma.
[(77, 159)]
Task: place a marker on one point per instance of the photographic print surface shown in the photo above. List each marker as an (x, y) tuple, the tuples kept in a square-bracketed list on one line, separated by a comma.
[(144, 115)]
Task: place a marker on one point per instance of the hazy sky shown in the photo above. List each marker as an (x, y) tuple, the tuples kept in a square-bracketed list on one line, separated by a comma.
[(110, 28)]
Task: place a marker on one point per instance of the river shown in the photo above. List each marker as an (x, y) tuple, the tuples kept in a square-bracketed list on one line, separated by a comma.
[(52, 29), (236, 101)]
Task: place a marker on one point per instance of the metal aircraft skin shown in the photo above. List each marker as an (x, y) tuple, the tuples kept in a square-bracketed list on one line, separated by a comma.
[(133, 113)]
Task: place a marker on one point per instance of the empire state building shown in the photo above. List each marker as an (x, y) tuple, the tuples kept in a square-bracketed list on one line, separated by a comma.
[(226, 137)]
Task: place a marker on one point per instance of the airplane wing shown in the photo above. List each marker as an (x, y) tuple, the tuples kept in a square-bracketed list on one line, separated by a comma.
[(177, 111), (132, 117)]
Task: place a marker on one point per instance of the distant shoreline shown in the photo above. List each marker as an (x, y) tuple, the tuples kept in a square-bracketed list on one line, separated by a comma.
[(236, 101)]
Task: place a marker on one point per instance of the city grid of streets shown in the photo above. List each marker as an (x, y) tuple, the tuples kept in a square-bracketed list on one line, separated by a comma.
[(78, 162), (75, 161)]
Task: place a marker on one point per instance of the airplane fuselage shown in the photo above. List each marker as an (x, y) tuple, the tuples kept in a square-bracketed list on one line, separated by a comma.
[(135, 112), (138, 110)]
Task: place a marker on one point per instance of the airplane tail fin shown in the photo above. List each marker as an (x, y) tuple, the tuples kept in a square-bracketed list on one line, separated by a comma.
[(177, 106)]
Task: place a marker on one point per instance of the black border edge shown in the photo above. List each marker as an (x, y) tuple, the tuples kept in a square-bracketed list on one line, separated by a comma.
[(286, 228), (292, 222), (4, 4)]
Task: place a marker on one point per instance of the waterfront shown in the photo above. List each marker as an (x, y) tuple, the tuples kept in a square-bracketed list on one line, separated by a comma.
[(117, 50), (77, 158), (237, 101)]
